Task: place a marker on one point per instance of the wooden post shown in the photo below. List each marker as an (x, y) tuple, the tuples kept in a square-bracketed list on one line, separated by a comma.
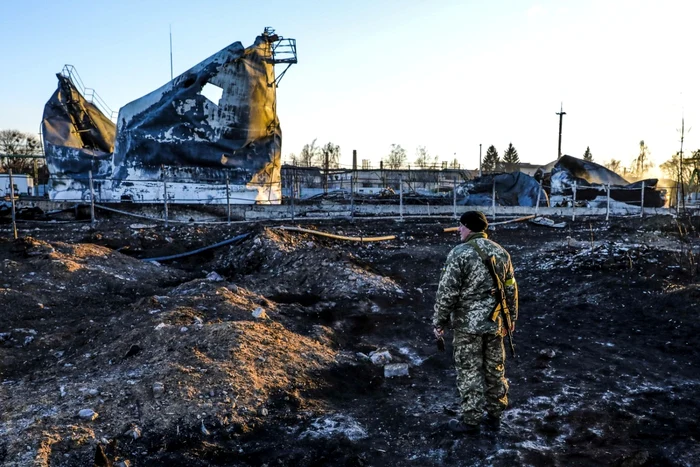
[(573, 202), (14, 213), (92, 199), (607, 209), (641, 212), (165, 193)]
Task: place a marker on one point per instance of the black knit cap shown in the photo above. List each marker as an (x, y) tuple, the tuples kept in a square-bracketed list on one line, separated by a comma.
[(474, 221)]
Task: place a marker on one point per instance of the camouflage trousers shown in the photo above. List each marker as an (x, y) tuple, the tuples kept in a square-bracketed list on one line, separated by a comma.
[(480, 365)]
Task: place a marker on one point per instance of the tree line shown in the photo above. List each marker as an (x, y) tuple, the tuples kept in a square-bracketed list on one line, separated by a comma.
[(313, 155)]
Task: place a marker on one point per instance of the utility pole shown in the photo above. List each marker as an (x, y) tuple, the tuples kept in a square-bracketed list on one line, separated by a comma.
[(680, 171), (171, 52), (561, 114)]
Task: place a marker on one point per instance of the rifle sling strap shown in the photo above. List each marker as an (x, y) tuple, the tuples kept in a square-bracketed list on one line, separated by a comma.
[(487, 263)]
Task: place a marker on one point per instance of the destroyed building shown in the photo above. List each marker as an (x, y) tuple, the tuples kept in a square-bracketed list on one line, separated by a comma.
[(590, 181), (562, 181), (175, 143)]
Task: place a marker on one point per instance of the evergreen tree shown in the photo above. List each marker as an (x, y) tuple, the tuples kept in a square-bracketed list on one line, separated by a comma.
[(511, 159), (491, 162), (587, 156)]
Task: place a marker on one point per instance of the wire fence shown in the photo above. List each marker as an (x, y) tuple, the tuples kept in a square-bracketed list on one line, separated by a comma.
[(289, 199)]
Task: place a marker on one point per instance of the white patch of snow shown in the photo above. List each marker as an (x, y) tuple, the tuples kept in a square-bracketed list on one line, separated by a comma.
[(335, 425)]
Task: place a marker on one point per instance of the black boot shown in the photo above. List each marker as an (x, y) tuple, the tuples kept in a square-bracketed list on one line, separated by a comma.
[(493, 422), (459, 426)]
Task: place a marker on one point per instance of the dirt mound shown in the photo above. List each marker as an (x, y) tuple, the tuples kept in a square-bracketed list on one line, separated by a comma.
[(203, 357), (278, 263)]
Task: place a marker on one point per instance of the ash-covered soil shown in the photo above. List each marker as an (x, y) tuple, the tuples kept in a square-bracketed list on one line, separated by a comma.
[(272, 351)]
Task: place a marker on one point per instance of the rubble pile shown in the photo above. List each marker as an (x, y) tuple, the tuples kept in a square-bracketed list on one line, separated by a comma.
[(581, 256), (279, 263)]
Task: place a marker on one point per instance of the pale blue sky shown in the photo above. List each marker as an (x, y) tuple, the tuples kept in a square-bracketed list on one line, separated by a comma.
[(444, 74)]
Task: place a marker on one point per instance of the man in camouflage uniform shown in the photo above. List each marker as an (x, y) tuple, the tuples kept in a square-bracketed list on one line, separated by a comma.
[(466, 302)]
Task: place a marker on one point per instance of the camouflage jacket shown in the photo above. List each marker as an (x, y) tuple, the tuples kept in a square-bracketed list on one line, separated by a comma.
[(465, 297)]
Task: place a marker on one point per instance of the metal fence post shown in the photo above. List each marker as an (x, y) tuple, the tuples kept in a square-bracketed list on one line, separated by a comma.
[(352, 191), (539, 192), (641, 212), (454, 198), (493, 198), (228, 201), (401, 196), (291, 192), (12, 197), (165, 193), (92, 199), (573, 202), (607, 209)]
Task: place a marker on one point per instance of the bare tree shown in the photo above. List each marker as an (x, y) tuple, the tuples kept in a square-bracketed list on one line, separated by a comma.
[(396, 158), (330, 152), (641, 163), (17, 143), (613, 164), (672, 168), (309, 154), (423, 158)]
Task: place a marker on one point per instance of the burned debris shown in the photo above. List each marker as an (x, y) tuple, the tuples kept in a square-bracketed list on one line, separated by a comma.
[(591, 180), (176, 133), (302, 349)]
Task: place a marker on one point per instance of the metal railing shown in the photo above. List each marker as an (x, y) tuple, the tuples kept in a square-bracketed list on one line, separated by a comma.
[(89, 94)]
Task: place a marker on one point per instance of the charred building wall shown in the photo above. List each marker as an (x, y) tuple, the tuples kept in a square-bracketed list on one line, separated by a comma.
[(175, 135)]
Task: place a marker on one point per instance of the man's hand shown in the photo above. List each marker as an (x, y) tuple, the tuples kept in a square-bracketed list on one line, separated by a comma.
[(440, 341)]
